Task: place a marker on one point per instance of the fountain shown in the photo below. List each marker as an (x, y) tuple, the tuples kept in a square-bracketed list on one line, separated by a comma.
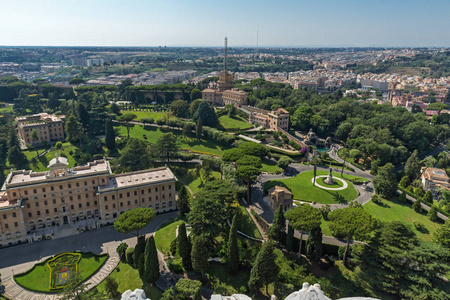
[(329, 179)]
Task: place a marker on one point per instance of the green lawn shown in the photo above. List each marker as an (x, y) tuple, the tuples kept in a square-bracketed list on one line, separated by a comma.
[(128, 279), (302, 188), (246, 224), (271, 167), (166, 234), (220, 278), (9, 108), (148, 114), (193, 183), (151, 135), (236, 122), (39, 278), (42, 163)]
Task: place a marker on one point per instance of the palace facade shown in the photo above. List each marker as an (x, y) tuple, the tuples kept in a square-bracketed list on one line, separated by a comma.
[(49, 128)]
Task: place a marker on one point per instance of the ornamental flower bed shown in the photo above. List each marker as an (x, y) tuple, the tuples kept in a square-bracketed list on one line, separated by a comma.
[(62, 267)]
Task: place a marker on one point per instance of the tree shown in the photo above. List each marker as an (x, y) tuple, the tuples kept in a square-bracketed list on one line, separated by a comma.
[(247, 174), (277, 231), (351, 222), (15, 155), (184, 247), (134, 220), (183, 201), (83, 116), (250, 148), (442, 235), (290, 239), (187, 288), (249, 160), (404, 182), (73, 129), (129, 254), (112, 287), (303, 218), (194, 106), (432, 214), (233, 250), (385, 183), (428, 197), (412, 166), (265, 269), (196, 94), (206, 113), (134, 156), (121, 249), (345, 154), (76, 81), (200, 255), (315, 160), (151, 269), (167, 146), (127, 118), (110, 139), (417, 206), (314, 244), (138, 252), (199, 129), (284, 162), (180, 108), (35, 139)]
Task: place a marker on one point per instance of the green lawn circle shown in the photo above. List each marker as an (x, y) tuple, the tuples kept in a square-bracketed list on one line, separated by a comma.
[(337, 184)]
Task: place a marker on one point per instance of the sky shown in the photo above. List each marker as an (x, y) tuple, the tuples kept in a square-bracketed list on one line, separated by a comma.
[(282, 23)]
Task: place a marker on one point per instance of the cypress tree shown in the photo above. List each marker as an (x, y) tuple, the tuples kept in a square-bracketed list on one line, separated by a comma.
[(265, 270), (184, 247), (314, 244), (233, 250), (183, 201), (139, 250), (200, 255), (290, 239), (199, 129), (278, 230), (151, 270), (109, 135), (129, 253), (15, 155)]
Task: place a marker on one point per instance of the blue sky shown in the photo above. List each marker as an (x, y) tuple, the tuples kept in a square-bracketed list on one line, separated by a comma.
[(205, 23)]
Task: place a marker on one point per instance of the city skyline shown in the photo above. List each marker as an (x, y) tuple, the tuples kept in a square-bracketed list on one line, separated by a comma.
[(203, 24)]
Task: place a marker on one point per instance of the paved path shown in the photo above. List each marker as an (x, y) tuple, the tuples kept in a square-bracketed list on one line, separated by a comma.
[(343, 187), (18, 259)]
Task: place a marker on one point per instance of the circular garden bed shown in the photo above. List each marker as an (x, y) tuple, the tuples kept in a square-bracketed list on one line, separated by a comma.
[(53, 274)]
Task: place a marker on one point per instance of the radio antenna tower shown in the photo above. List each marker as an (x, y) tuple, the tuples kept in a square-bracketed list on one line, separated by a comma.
[(226, 54)]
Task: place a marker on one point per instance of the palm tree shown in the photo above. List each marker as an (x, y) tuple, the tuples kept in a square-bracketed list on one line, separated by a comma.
[(344, 157), (315, 160)]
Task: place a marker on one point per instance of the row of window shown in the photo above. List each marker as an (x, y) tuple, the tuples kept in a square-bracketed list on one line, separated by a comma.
[(113, 197), (61, 187), (6, 217), (142, 200), (55, 210)]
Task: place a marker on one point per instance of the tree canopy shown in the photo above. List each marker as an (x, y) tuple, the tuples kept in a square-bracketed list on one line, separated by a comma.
[(134, 220)]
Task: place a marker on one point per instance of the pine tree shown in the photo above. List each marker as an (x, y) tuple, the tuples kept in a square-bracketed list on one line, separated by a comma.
[(278, 230), (183, 201), (151, 270), (290, 239), (109, 135), (200, 255), (314, 244), (233, 250), (184, 247), (265, 270), (139, 251)]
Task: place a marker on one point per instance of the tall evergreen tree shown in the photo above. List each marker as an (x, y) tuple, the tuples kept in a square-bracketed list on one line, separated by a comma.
[(314, 244), (110, 139), (278, 230), (233, 250), (412, 166), (265, 270), (183, 201), (200, 255), (151, 269), (15, 155), (199, 129), (290, 239), (72, 128), (184, 247), (138, 251), (83, 116)]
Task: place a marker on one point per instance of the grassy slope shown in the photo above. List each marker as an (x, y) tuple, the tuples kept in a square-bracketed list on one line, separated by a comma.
[(148, 114), (234, 122), (39, 278), (246, 224), (128, 279), (165, 235), (153, 133), (303, 190), (271, 167)]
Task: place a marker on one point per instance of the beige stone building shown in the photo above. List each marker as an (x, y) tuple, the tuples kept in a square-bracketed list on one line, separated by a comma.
[(33, 204), (235, 97), (49, 128), (223, 93), (275, 120), (279, 195), (433, 179)]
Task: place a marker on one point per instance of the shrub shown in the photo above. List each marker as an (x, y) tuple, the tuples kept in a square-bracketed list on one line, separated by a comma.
[(173, 247), (175, 266), (419, 226), (428, 197), (129, 254), (376, 199), (416, 206), (402, 198), (419, 192), (432, 214), (404, 182), (121, 249)]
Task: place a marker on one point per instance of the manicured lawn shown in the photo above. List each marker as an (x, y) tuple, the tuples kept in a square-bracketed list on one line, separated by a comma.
[(151, 135), (42, 163), (236, 122), (39, 278), (128, 279), (5, 109), (221, 278), (166, 234), (302, 188), (193, 183), (271, 167), (395, 211), (148, 114), (246, 224)]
